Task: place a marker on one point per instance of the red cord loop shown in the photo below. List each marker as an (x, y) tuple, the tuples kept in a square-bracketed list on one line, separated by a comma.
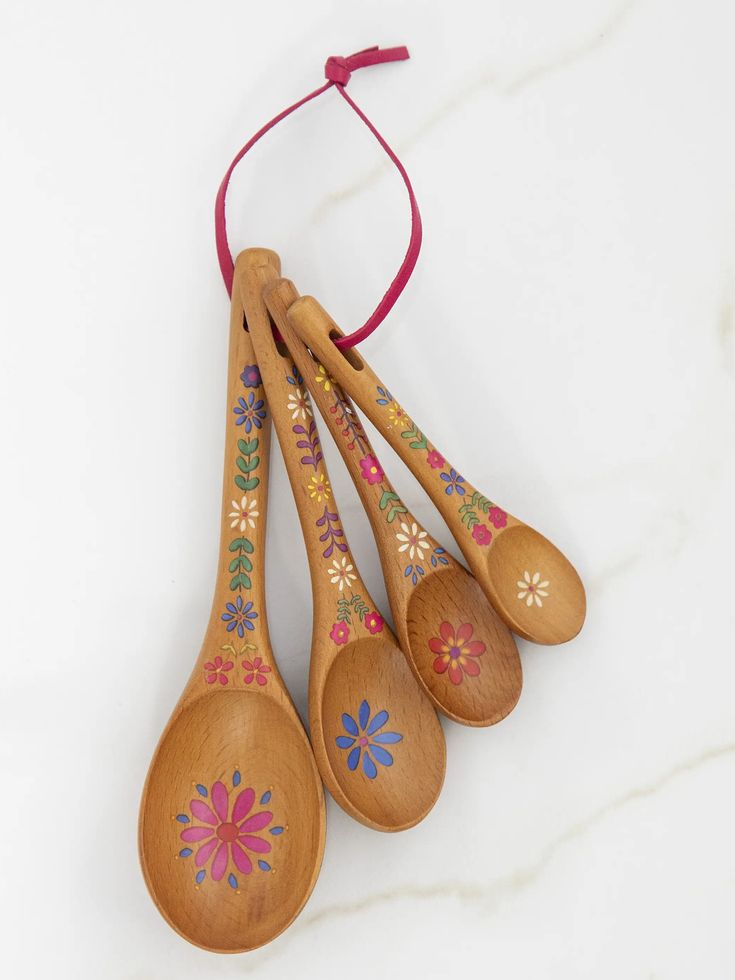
[(338, 72)]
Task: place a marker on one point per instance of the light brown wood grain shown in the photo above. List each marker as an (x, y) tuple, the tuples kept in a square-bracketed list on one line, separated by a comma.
[(244, 730), (355, 659), (531, 584), (428, 590)]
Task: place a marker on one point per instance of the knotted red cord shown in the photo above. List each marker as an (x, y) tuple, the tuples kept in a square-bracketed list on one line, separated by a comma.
[(337, 71)]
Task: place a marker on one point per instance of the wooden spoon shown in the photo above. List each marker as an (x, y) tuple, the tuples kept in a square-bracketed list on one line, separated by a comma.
[(378, 742), (232, 819), (462, 653), (529, 581)]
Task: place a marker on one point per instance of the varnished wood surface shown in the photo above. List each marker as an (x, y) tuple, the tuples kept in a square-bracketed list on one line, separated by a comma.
[(477, 682), (531, 584), (234, 743), (365, 706)]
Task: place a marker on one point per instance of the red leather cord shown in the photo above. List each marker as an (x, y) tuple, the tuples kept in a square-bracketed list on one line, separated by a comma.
[(337, 71)]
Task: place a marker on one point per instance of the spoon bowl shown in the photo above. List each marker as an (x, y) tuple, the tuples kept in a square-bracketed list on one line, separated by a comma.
[(253, 748), (376, 732), (525, 572), (452, 634)]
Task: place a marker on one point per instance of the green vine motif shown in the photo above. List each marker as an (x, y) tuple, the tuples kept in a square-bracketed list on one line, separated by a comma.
[(241, 564), (247, 462), (346, 608), (468, 510), (419, 439), (394, 509)]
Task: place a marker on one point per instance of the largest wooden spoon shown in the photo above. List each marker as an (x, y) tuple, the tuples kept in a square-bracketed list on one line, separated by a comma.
[(532, 585), (232, 818)]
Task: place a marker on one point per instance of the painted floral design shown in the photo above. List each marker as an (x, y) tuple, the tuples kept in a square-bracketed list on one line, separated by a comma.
[(216, 670), (227, 837), (482, 534), (435, 460), (373, 622), (340, 633), (456, 652), (249, 411), (497, 517), (243, 514), (453, 482), (365, 738), (342, 573), (371, 469), (319, 488), (256, 670), (397, 414), (532, 589), (239, 616), (299, 405), (250, 376), (325, 380), (413, 540)]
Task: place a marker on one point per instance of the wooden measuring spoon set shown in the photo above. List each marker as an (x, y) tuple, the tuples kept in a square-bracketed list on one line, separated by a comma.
[(232, 822)]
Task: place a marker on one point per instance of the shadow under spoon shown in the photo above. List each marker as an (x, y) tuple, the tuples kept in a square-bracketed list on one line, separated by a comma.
[(232, 817), (377, 739), (531, 584), (461, 652)]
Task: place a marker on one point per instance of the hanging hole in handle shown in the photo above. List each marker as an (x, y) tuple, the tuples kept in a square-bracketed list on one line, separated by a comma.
[(349, 354)]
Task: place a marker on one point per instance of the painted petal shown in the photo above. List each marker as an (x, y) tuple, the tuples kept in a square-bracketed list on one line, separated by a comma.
[(219, 865), (446, 632), (243, 805), (475, 648), (364, 715), (388, 738), (350, 725), (220, 800), (242, 861), (455, 673), (381, 755), (344, 741), (542, 585), (438, 646), (529, 600), (464, 633), (256, 822), (205, 852), (202, 812), (471, 667), (536, 577), (542, 593), (441, 664), (196, 833), (352, 762), (369, 767), (256, 844), (521, 595), (521, 585), (378, 721), (539, 603)]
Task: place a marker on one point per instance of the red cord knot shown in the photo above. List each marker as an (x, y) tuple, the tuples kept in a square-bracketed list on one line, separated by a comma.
[(336, 70), (339, 70)]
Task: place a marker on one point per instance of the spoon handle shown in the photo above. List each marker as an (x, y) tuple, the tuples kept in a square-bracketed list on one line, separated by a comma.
[(532, 585), (238, 625), (342, 604), (406, 550)]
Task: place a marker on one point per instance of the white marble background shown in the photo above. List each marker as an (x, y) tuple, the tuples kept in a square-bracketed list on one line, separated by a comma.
[(568, 339)]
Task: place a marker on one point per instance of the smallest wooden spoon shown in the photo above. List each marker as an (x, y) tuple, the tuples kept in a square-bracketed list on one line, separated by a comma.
[(461, 652), (532, 585)]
